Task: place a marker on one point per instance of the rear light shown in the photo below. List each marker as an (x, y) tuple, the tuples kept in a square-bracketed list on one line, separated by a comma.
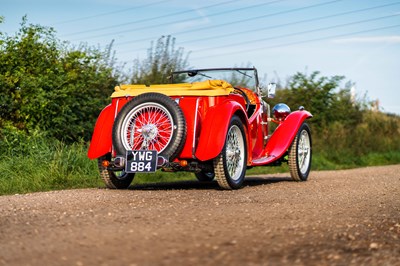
[(105, 163), (183, 163)]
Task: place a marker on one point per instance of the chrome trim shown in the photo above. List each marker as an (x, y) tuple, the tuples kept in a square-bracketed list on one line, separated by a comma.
[(194, 127), (116, 109)]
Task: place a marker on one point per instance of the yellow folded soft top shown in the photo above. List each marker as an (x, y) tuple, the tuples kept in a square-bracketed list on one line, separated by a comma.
[(203, 88)]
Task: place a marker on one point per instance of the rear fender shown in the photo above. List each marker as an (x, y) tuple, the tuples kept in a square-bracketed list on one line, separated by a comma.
[(102, 135), (283, 137), (101, 142), (214, 128)]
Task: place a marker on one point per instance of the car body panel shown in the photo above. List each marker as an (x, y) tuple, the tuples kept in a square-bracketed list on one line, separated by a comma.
[(102, 135), (214, 127), (101, 142), (282, 138)]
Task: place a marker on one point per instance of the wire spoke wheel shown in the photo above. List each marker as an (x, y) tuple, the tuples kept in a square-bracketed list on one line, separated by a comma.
[(234, 152), (300, 153), (230, 165), (150, 121), (148, 126)]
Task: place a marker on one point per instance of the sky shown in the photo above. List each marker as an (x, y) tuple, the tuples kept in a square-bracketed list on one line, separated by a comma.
[(358, 39)]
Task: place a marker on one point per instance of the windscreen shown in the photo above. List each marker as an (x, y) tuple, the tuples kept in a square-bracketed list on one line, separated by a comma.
[(236, 77)]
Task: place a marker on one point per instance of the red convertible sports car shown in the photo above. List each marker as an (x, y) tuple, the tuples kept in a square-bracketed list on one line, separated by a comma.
[(212, 122)]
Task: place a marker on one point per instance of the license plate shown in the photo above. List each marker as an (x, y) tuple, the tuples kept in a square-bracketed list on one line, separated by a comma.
[(141, 161)]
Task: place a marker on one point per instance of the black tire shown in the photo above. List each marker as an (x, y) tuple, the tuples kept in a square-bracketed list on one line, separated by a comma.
[(134, 128), (230, 164), (300, 154), (205, 176), (114, 180)]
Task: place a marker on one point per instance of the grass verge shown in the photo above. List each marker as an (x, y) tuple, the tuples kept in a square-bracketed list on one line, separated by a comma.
[(45, 166)]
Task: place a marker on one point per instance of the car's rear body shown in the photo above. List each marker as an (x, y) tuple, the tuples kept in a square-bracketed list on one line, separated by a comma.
[(208, 108)]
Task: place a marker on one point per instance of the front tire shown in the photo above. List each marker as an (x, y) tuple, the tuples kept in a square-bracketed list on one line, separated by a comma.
[(230, 164), (300, 154), (114, 179)]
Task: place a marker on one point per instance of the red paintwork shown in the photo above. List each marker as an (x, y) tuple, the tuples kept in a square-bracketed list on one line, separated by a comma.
[(207, 120), (282, 137), (101, 138), (214, 128), (102, 135), (188, 106)]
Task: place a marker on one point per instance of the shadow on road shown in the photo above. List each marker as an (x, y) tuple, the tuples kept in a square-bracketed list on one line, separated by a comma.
[(194, 184)]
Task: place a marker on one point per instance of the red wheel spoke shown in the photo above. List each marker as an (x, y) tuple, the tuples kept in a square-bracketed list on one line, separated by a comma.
[(151, 126)]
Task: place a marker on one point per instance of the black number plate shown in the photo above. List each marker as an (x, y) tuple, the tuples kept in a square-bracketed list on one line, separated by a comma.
[(141, 161)]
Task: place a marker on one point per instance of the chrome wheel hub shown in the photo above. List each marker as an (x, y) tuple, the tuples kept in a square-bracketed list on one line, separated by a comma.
[(234, 154), (303, 153)]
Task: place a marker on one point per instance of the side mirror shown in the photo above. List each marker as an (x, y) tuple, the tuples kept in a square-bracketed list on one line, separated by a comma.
[(271, 90)]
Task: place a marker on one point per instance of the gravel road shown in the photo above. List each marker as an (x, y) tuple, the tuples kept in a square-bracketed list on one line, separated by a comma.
[(349, 217)]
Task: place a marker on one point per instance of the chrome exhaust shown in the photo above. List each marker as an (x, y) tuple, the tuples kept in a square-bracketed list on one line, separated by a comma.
[(161, 161), (119, 162)]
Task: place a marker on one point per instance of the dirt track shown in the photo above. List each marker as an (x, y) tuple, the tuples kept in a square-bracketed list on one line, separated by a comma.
[(335, 218)]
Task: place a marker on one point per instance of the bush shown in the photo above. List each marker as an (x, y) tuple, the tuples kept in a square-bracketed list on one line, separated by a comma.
[(47, 86)]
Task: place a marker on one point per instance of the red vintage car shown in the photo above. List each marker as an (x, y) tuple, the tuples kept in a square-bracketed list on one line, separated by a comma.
[(212, 122)]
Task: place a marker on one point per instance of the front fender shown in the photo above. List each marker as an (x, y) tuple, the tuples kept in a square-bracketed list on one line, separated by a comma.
[(285, 133), (282, 137), (214, 128), (102, 135)]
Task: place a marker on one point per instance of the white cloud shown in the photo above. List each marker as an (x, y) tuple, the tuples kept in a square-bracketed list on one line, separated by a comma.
[(192, 23), (370, 39)]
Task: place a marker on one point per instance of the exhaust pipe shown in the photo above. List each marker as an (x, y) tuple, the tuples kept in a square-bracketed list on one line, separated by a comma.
[(119, 162), (161, 161)]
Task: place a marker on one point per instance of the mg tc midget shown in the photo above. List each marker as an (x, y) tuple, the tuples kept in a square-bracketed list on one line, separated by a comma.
[(212, 122)]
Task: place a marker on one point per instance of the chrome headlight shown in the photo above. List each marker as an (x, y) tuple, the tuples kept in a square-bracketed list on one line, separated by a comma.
[(281, 111)]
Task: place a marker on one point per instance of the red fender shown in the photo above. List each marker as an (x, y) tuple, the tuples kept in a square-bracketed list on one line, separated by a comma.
[(102, 136), (282, 137), (214, 128)]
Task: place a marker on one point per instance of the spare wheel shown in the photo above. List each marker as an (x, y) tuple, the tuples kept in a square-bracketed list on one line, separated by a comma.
[(150, 121)]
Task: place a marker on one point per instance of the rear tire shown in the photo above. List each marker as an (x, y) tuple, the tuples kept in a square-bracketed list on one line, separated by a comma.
[(230, 165), (114, 179), (300, 154)]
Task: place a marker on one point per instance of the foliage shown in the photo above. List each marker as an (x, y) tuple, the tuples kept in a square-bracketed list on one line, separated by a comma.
[(36, 163), (162, 59), (323, 97), (47, 86), (345, 130)]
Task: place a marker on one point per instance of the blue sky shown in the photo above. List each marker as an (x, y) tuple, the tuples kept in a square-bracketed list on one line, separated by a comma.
[(355, 38)]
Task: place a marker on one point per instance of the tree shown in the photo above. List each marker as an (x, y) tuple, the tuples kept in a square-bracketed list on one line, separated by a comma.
[(323, 97), (47, 85), (162, 59)]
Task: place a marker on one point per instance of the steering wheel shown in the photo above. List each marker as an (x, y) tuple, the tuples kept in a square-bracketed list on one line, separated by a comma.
[(246, 98)]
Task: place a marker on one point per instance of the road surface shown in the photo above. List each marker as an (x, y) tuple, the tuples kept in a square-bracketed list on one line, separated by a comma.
[(348, 217)]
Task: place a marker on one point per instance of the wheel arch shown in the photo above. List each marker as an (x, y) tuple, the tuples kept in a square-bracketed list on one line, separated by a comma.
[(284, 135), (101, 142), (214, 129)]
